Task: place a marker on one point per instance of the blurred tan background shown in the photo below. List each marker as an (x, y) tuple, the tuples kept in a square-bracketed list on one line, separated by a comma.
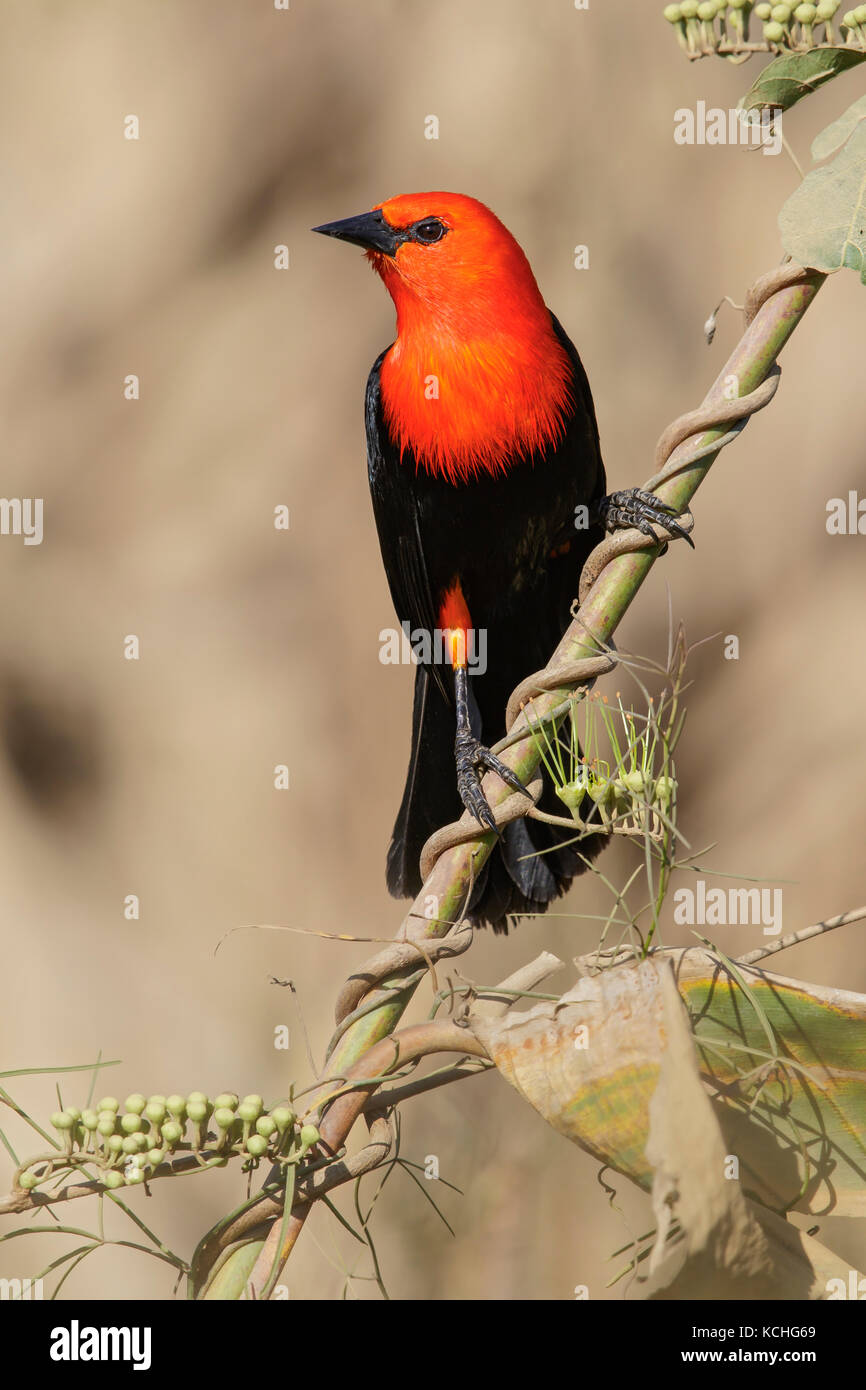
[(259, 647)]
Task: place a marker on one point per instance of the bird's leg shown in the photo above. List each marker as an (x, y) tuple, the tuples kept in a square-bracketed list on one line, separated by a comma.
[(469, 752), (470, 755), (634, 507)]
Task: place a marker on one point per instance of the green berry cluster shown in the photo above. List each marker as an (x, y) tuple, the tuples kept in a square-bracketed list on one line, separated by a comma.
[(621, 760), (854, 22), (631, 799), (722, 26), (129, 1143)]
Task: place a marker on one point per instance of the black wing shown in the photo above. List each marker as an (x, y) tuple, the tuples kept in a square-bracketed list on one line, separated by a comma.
[(398, 519)]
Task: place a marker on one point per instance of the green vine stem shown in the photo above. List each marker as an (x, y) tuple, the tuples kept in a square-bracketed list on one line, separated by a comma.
[(391, 1053)]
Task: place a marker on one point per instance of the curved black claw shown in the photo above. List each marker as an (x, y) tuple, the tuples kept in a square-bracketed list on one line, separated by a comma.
[(634, 507), (470, 755)]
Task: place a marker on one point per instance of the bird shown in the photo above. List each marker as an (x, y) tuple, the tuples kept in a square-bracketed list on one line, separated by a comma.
[(488, 492)]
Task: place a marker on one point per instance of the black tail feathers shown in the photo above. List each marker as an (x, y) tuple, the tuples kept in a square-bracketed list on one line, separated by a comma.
[(532, 865)]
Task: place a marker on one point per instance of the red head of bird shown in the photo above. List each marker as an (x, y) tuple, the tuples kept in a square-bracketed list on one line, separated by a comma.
[(477, 377)]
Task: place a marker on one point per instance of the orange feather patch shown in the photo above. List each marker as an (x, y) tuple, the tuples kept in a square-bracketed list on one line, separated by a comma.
[(476, 377), (455, 620)]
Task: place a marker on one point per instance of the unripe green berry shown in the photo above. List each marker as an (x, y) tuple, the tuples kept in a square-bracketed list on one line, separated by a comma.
[(135, 1103), (109, 1103), (131, 1123), (664, 790), (309, 1136), (689, 8), (827, 9), (176, 1105), (128, 1144), (257, 1145), (155, 1157), (172, 1133), (764, 11), (197, 1110), (197, 1098), (860, 14), (249, 1109), (773, 33), (806, 14), (707, 10), (283, 1117), (601, 792), (226, 1100), (27, 1180), (62, 1120), (89, 1120), (572, 793), (739, 4), (781, 13), (115, 1143), (134, 1176), (635, 782), (106, 1124), (112, 1179), (224, 1118), (266, 1125), (673, 14), (155, 1110)]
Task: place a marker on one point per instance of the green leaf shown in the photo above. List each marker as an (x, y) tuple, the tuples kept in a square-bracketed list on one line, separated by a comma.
[(823, 223), (796, 1116), (835, 134), (793, 76), (231, 1277), (783, 1063)]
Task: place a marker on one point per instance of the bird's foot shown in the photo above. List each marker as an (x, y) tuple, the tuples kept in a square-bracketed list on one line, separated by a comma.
[(470, 755), (634, 507)]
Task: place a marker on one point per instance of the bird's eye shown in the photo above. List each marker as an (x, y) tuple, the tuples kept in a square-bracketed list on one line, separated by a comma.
[(430, 230)]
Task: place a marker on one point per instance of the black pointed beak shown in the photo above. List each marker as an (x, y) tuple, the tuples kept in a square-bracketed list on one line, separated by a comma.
[(369, 230)]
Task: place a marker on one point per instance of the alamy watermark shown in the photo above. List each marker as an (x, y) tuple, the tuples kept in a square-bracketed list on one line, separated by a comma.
[(22, 516), (14, 1290), (77, 1343), (443, 646), (714, 126), (731, 907)]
